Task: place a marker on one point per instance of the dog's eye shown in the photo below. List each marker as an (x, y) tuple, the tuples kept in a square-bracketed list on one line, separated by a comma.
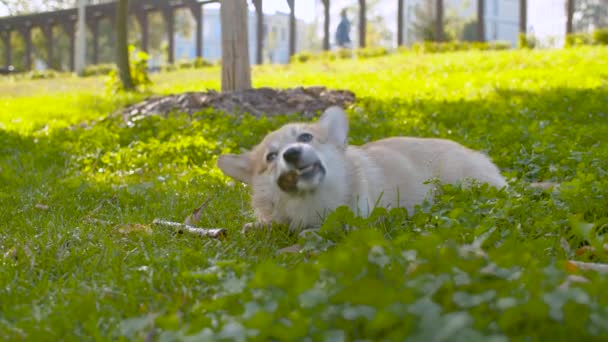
[(305, 137), (271, 156)]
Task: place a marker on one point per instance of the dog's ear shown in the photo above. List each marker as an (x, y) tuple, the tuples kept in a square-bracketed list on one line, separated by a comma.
[(335, 123), (237, 166)]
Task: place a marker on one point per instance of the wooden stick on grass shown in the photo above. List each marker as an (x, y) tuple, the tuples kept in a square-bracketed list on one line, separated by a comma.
[(589, 266), (186, 228)]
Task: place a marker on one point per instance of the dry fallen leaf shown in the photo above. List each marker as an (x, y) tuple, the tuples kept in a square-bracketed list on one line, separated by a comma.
[(589, 249), (11, 254), (134, 228), (41, 206), (570, 267), (195, 217)]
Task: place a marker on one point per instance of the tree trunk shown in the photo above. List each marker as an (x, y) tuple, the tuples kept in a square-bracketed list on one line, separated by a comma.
[(523, 16), (325, 25), (292, 27), (122, 46), (399, 22), (481, 24), (259, 14), (362, 23), (439, 36), (236, 70), (569, 15)]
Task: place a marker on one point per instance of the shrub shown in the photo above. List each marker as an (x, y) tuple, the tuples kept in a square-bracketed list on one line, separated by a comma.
[(41, 74), (168, 67), (499, 45), (600, 36), (328, 55), (98, 69), (200, 62), (578, 39), (527, 41), (185, 64), (344, 53), (436, 47), (138, 66), (302, 57), (371, 52)]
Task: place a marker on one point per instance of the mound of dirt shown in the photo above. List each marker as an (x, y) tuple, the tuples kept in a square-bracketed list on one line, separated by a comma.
[(259, 102)]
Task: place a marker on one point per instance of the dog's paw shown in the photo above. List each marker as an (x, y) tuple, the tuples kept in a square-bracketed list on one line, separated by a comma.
[(254, 226)]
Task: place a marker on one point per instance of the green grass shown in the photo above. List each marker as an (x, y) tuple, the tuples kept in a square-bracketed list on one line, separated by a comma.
[(474, 264)]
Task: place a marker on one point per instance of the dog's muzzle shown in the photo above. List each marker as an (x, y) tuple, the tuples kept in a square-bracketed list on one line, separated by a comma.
[(300, 169)]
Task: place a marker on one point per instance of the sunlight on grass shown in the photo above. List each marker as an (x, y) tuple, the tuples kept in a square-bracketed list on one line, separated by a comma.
[(473, 265)]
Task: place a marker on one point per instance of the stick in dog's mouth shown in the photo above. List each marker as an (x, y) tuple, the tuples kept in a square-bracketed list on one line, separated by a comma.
[(288, 181)]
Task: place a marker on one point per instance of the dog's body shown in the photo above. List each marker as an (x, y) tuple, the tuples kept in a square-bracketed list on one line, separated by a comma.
[(302, 171)]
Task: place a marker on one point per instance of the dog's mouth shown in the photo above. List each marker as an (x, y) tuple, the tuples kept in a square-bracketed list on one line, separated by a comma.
[(302, 178)]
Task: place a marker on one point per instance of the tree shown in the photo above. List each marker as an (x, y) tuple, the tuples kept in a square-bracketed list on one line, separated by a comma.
[(424, 25), (589, 15), (569, 15), (362, 22), (122, 45), (236, 70), (439, 9), (523, 16), (432, 20), (481, 27), (376, 30), (326, 22)]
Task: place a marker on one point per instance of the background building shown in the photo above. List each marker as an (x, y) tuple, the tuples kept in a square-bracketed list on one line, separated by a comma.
[(276, 38)]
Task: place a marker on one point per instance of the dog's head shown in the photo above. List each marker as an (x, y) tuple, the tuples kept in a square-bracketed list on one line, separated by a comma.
[(296, 158)]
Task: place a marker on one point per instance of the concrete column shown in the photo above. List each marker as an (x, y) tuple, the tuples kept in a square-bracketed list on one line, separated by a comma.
[(68, 28), (79, 51), (26, 33), (142, 19), (170, 23), (94, 27), (8, 55), (197, 14), (47, 30)]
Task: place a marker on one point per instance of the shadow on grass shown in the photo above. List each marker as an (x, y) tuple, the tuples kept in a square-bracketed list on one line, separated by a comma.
[(164, 168), (534, 135)]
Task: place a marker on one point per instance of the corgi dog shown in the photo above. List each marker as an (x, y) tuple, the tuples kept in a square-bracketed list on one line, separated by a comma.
[(302, 171)]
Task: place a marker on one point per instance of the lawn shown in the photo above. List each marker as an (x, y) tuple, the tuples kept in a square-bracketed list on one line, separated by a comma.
[(82, 261)]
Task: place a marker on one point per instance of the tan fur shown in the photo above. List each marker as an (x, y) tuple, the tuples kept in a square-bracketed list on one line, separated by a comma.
[(389, 172)]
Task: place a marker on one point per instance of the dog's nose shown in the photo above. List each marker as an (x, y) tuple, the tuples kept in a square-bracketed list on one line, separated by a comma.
[(292, 155)]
